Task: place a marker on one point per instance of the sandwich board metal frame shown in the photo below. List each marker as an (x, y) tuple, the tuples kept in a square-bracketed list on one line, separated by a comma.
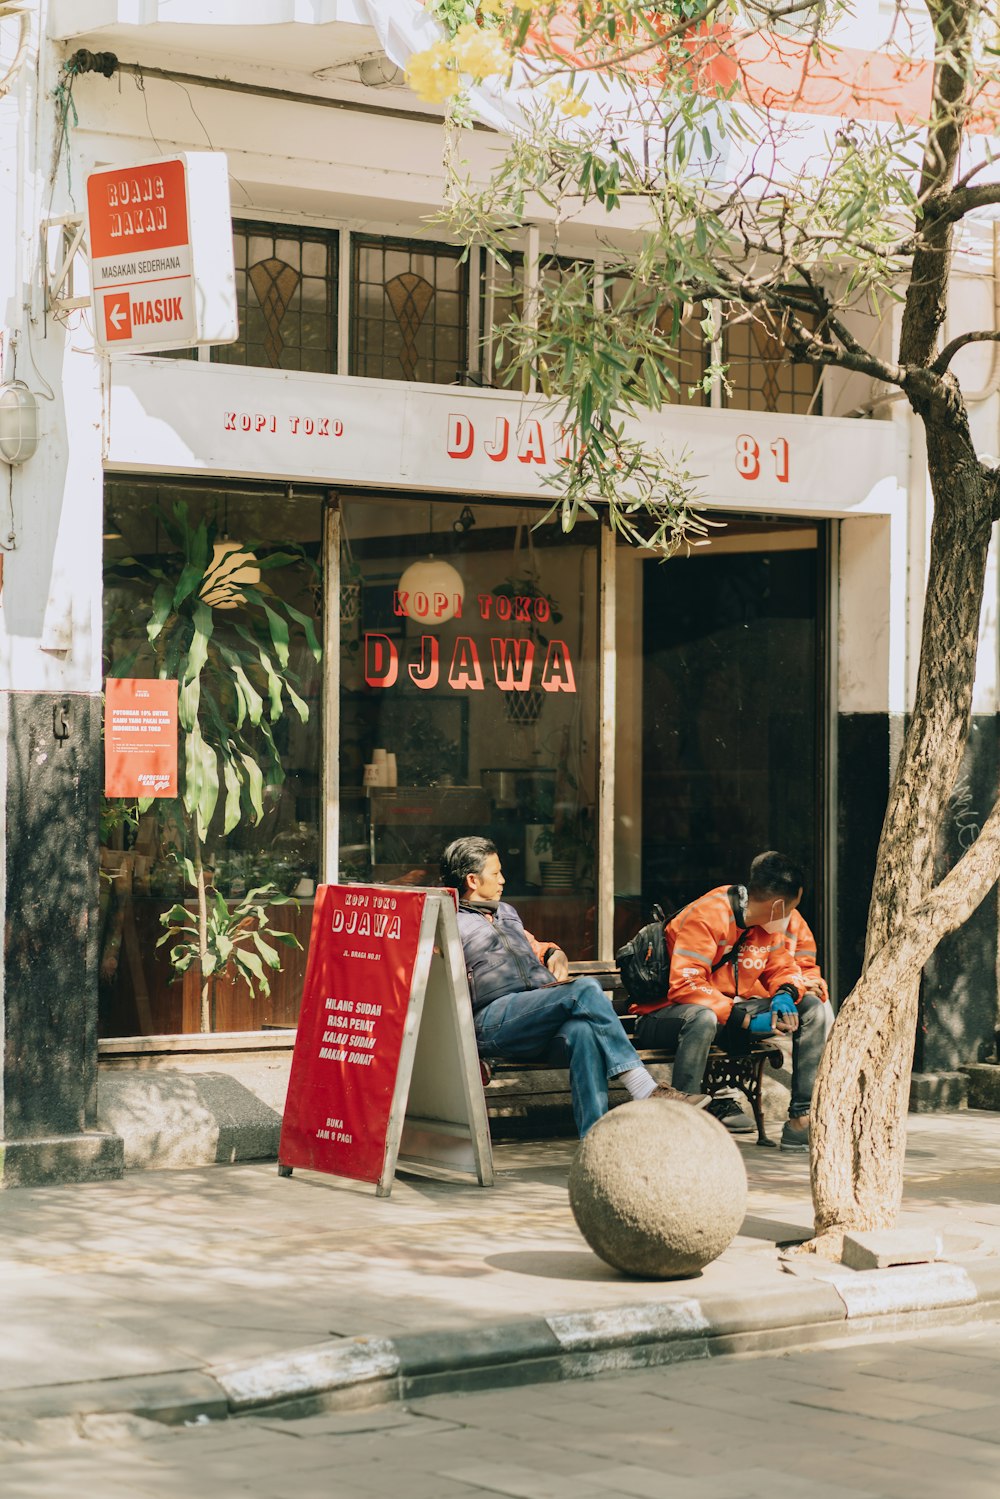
[(372, 1092)]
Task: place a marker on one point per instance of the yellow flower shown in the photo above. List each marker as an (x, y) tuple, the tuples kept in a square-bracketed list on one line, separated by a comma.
[(479, 53), (492, 8), (432, 75), (569, 104)]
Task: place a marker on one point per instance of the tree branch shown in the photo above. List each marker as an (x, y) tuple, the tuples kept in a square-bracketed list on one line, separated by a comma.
[(949, 351), (964, 200), (926, 302)]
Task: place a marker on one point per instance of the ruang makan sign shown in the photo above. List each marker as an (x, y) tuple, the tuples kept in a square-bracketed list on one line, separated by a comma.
[(161, 253), (186, 417), (385, 1070)]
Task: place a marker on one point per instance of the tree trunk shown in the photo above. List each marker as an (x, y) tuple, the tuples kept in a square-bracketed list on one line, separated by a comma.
[(863, 1185), (206, 982), (859, 1114)]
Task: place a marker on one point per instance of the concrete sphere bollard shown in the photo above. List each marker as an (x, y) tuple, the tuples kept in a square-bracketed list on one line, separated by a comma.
[(658, 1189)]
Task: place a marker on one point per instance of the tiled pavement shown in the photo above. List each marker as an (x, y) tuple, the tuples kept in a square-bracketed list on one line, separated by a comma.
[(168, 1271), (911, 1418)]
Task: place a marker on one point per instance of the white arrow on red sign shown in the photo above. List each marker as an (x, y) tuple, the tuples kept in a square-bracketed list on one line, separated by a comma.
[(117, 316)]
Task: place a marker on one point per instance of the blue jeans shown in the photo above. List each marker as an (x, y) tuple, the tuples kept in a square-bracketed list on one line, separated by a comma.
[(690, 1030), (575, 1020)]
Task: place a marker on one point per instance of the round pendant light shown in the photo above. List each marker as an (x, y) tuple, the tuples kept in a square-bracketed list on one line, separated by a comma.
[(431, 591)]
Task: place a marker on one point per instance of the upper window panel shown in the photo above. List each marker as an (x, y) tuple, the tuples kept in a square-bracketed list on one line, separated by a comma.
[(409, 311), (286, 290), (760, 372)]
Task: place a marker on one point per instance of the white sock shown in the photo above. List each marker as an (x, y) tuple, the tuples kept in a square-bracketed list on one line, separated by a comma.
[(638, 1082)]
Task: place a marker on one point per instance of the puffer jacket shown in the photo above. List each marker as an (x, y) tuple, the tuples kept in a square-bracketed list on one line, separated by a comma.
[(700, 937), (500, 956)]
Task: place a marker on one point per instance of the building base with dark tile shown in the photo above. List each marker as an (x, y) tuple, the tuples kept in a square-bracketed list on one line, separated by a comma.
[(50, 775), (86, 1157)]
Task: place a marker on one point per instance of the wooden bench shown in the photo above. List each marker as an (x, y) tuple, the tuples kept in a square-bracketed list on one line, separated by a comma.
[(724, 1073)]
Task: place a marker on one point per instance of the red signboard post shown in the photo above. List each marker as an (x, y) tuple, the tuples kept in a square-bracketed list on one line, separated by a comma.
[(140, 737), (385, 1067)]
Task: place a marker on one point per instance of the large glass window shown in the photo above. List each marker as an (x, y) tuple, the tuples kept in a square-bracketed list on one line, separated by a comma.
[(469, 677), (409, 310), (142, 856)]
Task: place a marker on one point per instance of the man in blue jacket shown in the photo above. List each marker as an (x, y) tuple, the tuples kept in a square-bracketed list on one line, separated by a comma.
[(523, 1001)]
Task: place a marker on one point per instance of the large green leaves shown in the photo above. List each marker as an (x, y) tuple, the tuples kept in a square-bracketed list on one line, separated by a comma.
[(238, 937)]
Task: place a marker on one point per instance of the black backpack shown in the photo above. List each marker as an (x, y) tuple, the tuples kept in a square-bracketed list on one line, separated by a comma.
[(643, 961)]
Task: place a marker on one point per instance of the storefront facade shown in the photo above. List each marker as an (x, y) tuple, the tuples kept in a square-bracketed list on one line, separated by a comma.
[(626, 730)]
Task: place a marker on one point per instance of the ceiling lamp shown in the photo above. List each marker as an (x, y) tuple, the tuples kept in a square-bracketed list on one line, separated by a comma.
[(18, 422), (431, 591), (231, 567)]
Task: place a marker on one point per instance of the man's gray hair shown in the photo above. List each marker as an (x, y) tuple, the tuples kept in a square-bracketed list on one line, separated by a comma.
[(463, 857)]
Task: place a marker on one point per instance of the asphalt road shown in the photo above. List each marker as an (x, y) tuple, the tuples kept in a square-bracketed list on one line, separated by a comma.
[(907, 1418)]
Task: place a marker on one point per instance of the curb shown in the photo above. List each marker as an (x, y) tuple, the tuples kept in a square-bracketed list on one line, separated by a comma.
[(366, 1371)]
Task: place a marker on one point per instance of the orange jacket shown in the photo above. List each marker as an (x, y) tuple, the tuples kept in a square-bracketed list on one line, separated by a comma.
[(700, 936), (801, 944)]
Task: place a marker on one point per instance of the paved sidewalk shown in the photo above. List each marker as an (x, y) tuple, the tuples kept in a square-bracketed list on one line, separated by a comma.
[(130, 1295)]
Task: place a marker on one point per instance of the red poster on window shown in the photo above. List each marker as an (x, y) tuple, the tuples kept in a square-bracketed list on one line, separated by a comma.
[(140, 737), (356, 996)]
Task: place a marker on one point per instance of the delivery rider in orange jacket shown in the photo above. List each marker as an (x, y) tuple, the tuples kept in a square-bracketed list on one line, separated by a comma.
[(733, 980)]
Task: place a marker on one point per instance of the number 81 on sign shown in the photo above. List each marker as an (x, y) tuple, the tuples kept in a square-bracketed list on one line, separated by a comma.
[(748, 457)]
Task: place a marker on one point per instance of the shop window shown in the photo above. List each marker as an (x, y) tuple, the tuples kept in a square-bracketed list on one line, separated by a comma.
[(409, 311), (142, 856), (761, 374), (286, 293), (469, 701)]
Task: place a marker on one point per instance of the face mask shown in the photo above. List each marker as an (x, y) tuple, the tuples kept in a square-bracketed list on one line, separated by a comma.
[(781, 925)]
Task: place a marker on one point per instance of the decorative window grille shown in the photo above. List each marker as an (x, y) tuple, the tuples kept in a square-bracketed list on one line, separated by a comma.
[(286, 290), (762, 376), (409, 311)]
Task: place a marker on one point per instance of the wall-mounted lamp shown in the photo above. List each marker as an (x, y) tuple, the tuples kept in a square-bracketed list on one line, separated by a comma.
[(18, 422)]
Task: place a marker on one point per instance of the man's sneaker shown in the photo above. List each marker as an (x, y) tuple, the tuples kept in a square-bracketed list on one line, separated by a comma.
[(696, 1100), (729, 1113), (795, 1135)]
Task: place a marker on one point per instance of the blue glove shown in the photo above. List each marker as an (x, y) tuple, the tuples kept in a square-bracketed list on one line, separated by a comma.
[(783, 1003), (760, 1024)]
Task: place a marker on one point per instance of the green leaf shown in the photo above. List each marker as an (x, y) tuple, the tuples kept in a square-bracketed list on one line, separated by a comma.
[(279, 635), (255, 785), (191, 577), (268, 953), (309, 630), (163, 603), (301, 708), (201, 780), (234, 785), (253, 968), (253, 702)]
